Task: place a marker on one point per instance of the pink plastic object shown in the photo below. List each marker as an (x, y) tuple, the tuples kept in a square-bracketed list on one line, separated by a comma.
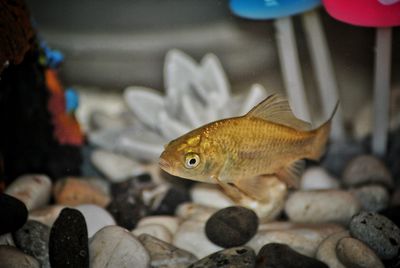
[(372, 13)]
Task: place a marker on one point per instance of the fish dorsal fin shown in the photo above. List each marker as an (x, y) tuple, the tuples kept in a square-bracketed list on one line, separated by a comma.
[(276, 109), (291, 173)]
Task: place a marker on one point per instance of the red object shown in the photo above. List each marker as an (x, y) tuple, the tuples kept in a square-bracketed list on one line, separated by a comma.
[(66, 128), (370, 13)]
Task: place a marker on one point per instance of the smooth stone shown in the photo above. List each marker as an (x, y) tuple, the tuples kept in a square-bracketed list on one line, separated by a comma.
[(155, 230), (366, 169), (166, 202), (96, 217), (194, 211), (14, 213), (232, 226), (11, 257), (378, 232), (165, 255), (372, 197), (319, 206), (281, 255), (68, 243), (169, 222), (315, 178), (210, 195), (127, 209), (74, 192), (33, 190), (33, 239), (237, 257), (303, 238), (7, 240), (116, 167), (46, 215), (355, 254), (327, 250), (114, 246), (191, 237), (99, 183)]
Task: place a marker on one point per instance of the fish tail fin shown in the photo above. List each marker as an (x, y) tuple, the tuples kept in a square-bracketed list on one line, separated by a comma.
[(318, 146)]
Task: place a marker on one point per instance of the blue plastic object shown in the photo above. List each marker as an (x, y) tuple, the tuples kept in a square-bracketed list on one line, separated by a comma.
[(71, 100), (53, 57), (270, 9)]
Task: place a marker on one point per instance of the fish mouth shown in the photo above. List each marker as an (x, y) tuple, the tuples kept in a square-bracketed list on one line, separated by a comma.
[(164, 164)]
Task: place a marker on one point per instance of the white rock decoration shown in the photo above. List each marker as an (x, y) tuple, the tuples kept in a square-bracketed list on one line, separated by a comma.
[(210, 195), (169, 222), (114, 246), (96, 217), (46, 215), (315, 178), (327, 250), (33, 190), (115, 167), (195, 94)]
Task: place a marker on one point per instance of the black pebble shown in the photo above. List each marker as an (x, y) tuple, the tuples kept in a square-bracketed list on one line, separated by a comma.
[(237, 257), (171, 200), (277, 255), (231, 226), (33, 239), (68, 245), (13, 214)]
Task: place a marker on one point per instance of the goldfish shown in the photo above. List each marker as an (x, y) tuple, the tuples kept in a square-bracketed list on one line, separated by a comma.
[(240, 153)]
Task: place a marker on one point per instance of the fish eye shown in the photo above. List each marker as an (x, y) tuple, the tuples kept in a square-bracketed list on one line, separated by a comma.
[(192, 160)]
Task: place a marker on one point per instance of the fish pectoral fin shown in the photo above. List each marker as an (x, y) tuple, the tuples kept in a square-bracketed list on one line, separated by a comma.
[(254, 187), (276, 109), (230, 190), (291, 173)]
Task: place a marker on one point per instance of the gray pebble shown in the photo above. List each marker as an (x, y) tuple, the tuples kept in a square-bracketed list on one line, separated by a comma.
[(366, 169), (237, 257), (11, 257), (165, 255), (355, 254), (378, 232), (33, 239), (372, 197)]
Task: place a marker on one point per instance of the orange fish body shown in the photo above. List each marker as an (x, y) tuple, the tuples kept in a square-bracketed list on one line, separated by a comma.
[(239, 153)]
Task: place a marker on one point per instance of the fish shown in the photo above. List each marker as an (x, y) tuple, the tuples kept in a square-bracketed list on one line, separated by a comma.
[(241, 153)]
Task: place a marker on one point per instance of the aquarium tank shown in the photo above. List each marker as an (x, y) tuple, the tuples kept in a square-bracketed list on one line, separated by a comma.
[(213, 133)]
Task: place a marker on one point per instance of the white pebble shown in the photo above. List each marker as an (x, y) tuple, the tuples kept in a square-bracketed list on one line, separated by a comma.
[(210, 195), (318, 178), (169, 222), (156, 230), (96, 217)]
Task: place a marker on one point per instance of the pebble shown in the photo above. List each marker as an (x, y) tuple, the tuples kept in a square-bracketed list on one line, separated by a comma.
[(194, 211), (114, 246), (378, 232), (372, 197), (354, 254), (11, 257), (46, 215), (155, 230), (237, 257), (116, 167), (7, 240), (169, 222), (232, 226), (315, 178), (167, 201), (165, 255), (33, 190), (96, 217), (191, 237), (74, 192), (281, 255), (339, 153), (318, 206), (303, 238), (14, 213), (68, 243), (366, 169), (33, 239), (327, 250), (210, 195), (127, 209)]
